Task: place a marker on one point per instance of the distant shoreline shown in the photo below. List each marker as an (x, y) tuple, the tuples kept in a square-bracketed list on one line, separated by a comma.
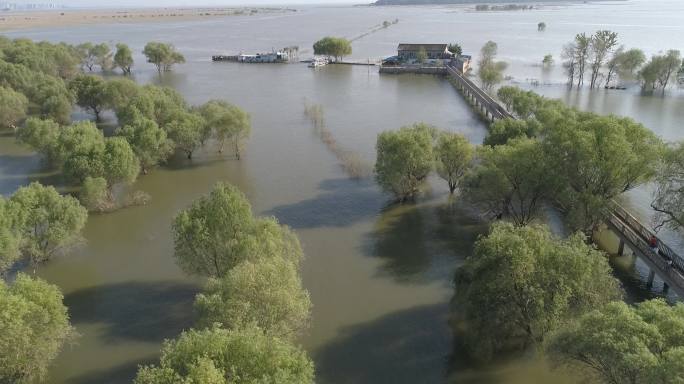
[(478, 2), (17, 20)]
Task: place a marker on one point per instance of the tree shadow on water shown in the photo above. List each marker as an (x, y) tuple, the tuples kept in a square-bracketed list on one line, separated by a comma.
[(343, 202), (124, 373), (144, 311), (409, 346), (423, 242)]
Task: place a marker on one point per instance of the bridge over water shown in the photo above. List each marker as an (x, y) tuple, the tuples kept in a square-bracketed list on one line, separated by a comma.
[(664, 262)]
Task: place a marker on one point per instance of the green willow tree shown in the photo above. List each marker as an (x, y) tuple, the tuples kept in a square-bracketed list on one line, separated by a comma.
[(454, 154), (186, 130), (227, 122), (13, 107), (163, 56), (91, 93), (49, 222), (266, 292), (218, 231), (10, 235), (598, 158), (512, 181), (124, 58), (619, 343), (668, 199), (34, 327), (404, 159), (490, 71), (220, 356), (522, 283), (336, 47), (149, 142)]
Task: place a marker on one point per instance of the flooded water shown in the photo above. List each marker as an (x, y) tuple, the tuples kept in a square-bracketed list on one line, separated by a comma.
[(379, 275)]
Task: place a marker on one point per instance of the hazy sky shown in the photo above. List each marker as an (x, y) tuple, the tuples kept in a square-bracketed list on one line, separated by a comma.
[(157, 3)]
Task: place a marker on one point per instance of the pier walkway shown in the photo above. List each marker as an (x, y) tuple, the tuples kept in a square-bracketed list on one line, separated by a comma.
[(485, 103), (632, 232), (628, 228)]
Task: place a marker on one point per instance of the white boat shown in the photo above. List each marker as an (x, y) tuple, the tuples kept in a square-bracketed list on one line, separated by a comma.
[(318, 62)]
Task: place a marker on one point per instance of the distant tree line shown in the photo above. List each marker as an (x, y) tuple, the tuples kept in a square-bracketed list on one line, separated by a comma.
[(604, 60)]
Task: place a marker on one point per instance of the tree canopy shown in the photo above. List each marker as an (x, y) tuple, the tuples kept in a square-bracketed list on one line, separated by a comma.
[(512, 181), (404, 159), (91, 93), (49, 222), (34, 326), (149, 142), (218, 231), (490, 71), (222, 356), (668, 198), (454, 154), (227, 122), (163, 56), (124, 58), (336, 47), (267, 293), (620, 343), (13, 107), (522, 283)]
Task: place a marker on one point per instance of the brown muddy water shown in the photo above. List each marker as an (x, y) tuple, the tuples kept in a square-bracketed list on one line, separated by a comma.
[(379, 275)]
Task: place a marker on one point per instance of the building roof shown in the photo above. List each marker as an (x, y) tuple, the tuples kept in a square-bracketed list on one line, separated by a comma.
[(427, 47)]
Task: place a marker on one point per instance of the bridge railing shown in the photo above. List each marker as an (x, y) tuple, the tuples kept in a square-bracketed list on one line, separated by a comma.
[(497, 111), (660, 262), (646, 235)]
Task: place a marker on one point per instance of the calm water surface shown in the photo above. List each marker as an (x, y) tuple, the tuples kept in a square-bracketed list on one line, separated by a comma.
[(378, 274)]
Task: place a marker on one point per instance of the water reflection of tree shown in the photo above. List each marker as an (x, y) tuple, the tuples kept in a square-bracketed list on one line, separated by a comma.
[(424, 241)]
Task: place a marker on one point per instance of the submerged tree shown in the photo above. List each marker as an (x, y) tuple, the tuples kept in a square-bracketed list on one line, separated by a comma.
[(123, 58), (34, 327), (598, 158), (10, 235), (220, 356), (619, 343), (218, 232), (91, 93), (668, 199), (601, 45), (490, 71), (49, 222), (404, 159), (454, 154), (163, 56), (522, 283), (227, 122), (149, 142), (336, 47), (266, 292), (512, 181), (13, 107)]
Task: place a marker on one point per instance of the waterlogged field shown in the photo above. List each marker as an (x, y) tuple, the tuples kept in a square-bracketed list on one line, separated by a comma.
[(379, 274)]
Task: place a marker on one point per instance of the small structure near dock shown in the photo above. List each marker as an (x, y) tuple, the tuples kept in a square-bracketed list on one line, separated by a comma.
[(284, 55)]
